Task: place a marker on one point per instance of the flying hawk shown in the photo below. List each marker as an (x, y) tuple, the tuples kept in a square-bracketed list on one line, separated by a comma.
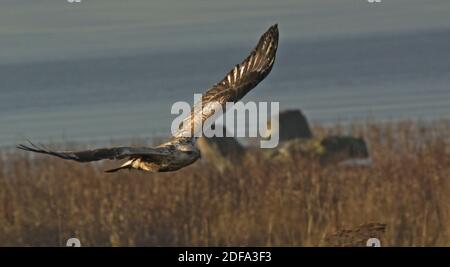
[(181, 151)]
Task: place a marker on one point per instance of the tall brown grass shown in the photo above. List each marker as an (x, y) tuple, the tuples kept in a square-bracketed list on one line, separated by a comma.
[(296, 202)]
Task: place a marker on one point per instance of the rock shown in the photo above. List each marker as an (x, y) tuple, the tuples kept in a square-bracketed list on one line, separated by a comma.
[(223, 152), (310, 148), (342, 150), (292, 125), (356, 237), (345, 150)]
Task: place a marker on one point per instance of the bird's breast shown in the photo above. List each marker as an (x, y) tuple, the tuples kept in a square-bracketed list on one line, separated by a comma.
[(179, 159)]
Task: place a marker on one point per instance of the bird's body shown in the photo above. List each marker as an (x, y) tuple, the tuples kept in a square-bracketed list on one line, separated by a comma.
[(181, 150), (176, 154)]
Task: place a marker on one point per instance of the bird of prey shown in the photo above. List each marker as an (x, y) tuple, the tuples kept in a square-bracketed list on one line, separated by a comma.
[(180, 150)]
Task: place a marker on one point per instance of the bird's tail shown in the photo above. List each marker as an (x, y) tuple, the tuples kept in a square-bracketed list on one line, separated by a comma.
[(126, 165)]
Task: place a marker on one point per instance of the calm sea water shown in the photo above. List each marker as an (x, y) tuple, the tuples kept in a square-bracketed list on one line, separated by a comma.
[(102, 70)]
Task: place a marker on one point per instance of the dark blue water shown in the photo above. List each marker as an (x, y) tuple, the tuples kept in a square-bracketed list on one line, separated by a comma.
[(97, 81)]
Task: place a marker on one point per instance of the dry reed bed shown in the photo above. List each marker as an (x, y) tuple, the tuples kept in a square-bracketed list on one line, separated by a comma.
[(45, 201)]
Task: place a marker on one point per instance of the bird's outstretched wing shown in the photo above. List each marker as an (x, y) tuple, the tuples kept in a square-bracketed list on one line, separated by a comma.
[(114, 153), (238, 82)]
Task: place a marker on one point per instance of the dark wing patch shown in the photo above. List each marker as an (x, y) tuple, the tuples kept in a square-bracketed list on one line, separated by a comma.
[(114, 153), (237, 83)]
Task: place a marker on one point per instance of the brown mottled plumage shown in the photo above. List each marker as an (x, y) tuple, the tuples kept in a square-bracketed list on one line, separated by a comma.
[(181, 151)]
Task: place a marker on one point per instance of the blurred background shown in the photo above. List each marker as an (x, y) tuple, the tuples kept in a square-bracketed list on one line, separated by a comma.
[(367, 156), (100, 70)]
